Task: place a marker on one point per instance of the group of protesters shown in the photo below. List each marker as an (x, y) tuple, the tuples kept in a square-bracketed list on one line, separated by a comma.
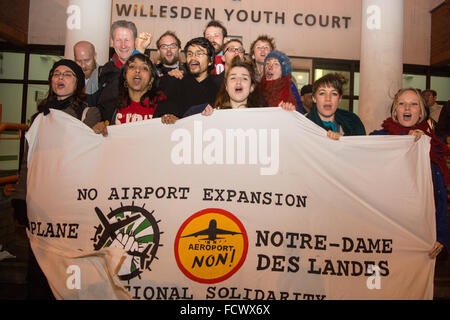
[(217, 74)]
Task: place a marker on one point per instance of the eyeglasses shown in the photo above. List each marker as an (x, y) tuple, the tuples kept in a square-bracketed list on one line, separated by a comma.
[(235, 49), (198, 54), (66, 74), (167, 46)]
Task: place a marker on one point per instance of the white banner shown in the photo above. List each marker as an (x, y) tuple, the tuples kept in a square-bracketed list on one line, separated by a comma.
[(243, 204)]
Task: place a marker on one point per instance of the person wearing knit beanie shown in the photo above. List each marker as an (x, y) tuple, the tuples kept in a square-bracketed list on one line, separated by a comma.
[(76, 69), (277, 85), (284, 61), (66, 83)]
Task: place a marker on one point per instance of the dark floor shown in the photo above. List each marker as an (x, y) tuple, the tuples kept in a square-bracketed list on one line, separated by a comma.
[(13, 272)]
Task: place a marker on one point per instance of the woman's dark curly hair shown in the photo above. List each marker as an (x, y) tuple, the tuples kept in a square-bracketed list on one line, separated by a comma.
[(123, 99)]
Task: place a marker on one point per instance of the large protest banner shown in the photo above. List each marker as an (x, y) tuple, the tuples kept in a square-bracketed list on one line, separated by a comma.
[(243, 204)]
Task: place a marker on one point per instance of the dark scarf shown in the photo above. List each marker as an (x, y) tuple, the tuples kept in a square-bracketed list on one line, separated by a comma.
[(57, 104), (350, 123), (438, 151), (275, 91)]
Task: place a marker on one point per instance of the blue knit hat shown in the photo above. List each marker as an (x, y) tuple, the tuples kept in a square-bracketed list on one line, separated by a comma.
[(284, 61)]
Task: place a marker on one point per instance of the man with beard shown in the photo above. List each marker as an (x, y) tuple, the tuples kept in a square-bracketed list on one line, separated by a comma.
[(169, 52), (198, 86), (85, 56), (216, 33)]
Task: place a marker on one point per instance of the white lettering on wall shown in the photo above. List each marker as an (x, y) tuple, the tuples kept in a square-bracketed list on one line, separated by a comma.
[(74, 18), (373, 17)]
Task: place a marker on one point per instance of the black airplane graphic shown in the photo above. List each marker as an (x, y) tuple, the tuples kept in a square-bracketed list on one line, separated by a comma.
[(110, 228), (142, 255), (211, 232)]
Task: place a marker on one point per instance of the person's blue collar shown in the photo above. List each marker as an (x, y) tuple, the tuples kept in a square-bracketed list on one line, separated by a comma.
[(330, 124)]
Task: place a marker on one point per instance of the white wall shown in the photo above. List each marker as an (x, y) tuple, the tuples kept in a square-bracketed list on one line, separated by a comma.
[(47, 24)]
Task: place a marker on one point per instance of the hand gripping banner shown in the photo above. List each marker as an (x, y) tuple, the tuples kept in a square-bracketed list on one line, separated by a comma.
[(242, 204)]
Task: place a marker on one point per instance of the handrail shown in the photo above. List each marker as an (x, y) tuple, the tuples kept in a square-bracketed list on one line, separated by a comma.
[(8, 126), (9, 179)]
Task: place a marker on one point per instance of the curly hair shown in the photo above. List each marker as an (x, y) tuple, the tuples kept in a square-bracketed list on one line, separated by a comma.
[(123, 98), (265, 38)]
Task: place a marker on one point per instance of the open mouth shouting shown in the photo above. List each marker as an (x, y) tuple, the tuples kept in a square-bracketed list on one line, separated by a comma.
[(270, 75), (408, 118), (60, 85), (238, 89), (194, 65)]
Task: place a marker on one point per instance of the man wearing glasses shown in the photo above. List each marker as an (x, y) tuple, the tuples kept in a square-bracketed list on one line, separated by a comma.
[(259, 49), (169, 53), (231, 49), (198, 86)]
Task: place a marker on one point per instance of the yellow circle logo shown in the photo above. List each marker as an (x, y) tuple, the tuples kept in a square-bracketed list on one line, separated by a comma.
[(211, 246)]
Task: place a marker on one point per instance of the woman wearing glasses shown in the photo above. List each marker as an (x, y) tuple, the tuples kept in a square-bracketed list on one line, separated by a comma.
[(66, 83), (408, 116)]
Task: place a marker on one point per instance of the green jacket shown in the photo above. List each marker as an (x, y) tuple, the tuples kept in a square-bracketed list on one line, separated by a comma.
[(350, 122)]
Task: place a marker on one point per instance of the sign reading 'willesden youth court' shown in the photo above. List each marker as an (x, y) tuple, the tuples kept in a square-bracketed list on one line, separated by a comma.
[(244, 204)]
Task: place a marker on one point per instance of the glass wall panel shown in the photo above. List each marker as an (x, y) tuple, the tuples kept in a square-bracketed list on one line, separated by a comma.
[(11, 101), (414, 81), (355, 106), (12, 65), (344, 104), (301, 77), (442, 86), (40, 65), (356, 85), (36, 93)]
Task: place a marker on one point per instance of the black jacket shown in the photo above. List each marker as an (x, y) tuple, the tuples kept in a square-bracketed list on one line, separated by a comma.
[(187, 92), (108, 90)]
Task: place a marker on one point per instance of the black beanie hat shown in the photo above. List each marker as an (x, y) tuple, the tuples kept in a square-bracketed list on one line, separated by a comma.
[(74, 67), (306, 89)]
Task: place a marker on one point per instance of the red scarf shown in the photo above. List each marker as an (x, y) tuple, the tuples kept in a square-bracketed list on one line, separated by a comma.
[(438, 151), (275, 91), (115, 59)]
